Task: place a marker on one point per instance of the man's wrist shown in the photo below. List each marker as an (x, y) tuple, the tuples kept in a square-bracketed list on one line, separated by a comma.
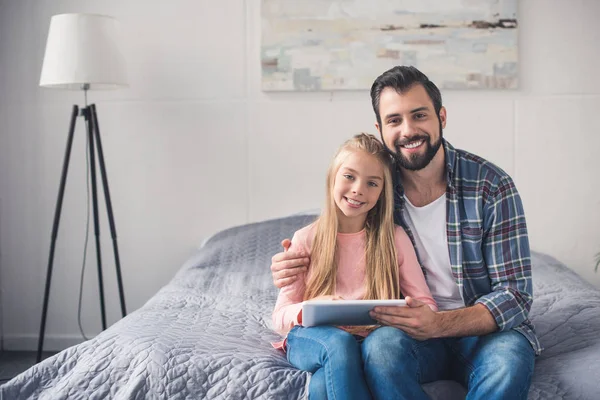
[(438, 323), (475, 320)]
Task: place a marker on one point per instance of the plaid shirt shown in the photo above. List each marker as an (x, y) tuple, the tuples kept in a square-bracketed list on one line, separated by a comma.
[(487, 239)]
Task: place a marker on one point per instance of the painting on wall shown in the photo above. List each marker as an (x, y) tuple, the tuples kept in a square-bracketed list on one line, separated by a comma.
[(325, 45)]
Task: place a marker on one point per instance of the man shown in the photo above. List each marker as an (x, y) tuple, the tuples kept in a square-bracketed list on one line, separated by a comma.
[(465, 218)]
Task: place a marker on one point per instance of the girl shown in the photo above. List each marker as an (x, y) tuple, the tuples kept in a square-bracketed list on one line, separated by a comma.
[(356, 252)]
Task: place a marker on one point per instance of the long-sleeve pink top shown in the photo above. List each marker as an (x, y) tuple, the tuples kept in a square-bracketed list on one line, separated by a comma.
[(350, 278)]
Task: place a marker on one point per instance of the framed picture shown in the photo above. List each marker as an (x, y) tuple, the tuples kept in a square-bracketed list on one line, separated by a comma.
[(325, 45)]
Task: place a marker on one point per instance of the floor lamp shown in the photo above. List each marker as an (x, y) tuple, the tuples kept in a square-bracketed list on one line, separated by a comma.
[(82, 53)]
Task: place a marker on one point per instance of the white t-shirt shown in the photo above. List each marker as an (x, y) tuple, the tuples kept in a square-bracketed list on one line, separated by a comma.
[(428, 225)]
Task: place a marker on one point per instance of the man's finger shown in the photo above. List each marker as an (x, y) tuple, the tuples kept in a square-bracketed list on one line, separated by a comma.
[(282, 258), (392, 320), (293, 264), (412, 302), (288, 272), (279, 283), (397, 311)]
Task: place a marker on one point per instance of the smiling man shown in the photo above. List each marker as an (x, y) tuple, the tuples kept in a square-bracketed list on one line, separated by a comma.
[(466, 220)]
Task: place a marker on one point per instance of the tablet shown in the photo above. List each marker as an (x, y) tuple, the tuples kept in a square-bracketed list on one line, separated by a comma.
[(342, 312)]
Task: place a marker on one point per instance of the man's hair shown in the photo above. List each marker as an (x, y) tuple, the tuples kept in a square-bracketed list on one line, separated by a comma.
[(381, 259), (402, 78)]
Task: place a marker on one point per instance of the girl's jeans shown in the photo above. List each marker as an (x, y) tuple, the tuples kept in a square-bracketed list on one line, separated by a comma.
[(389, 364)]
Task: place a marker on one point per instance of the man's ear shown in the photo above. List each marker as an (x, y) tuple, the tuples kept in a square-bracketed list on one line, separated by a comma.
[(443, 117), (377, 127)]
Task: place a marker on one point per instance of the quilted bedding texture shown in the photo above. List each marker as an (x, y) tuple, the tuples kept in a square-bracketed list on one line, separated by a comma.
[(207, 335)]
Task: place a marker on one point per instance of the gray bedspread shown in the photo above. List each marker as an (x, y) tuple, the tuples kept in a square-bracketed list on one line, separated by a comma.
[(207, 335)]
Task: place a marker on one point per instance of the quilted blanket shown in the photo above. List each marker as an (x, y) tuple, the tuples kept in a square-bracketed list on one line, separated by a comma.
[(207, 334)]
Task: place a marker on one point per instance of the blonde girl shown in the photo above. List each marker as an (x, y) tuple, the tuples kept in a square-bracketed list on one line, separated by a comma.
[(356, 252)]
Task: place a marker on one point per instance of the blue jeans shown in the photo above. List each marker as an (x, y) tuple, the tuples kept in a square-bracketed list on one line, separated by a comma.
[(494, 366), (334, 358)]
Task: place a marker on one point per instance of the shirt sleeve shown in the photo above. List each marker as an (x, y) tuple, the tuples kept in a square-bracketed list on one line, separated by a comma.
[(412, 280), (288, 308), (507, 256)]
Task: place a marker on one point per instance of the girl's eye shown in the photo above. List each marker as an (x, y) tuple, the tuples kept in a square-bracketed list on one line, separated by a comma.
[(348, 176), (373, 184)]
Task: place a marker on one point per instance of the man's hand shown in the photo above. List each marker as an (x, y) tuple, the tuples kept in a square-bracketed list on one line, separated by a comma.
[(286, 266), (422, 323), (418, 320)]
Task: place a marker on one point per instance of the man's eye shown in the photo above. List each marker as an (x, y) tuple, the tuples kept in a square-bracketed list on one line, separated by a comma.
[(394, 121), (420, 116)]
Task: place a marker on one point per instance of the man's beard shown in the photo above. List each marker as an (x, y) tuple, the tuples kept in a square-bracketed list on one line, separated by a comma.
[(416, 162)]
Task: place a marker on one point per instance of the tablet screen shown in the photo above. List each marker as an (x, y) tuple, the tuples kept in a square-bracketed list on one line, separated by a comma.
[(342, 312)]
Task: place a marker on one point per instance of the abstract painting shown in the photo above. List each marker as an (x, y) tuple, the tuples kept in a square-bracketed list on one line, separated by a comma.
[(325, 45)]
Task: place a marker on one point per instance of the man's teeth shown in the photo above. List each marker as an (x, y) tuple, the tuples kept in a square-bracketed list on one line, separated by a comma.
[(354, 202), (413, 144)]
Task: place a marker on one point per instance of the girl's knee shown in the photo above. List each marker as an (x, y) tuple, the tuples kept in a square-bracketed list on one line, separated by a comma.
[(317, 389), (336, 342), (388, 337), (343, 341), (386, 345)]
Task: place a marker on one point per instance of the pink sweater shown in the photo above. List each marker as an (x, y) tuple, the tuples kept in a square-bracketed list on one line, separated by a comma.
[(350, 279)]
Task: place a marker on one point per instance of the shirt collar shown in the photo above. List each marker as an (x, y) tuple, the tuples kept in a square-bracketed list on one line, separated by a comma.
[(450, 154)]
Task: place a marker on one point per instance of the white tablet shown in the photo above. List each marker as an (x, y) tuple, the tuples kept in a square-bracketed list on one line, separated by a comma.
[(342, 312)]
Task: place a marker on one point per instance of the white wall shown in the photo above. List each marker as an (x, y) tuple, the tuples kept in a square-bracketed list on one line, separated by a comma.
[(194, 146)]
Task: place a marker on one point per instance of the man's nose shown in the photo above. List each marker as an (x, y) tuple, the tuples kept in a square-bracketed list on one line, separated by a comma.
[(408, 128)]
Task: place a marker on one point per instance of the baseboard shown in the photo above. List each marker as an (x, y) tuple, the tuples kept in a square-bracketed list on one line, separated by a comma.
[(51, 342)]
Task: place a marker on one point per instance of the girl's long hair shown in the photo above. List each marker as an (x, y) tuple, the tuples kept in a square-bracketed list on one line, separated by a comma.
[(380, 251)]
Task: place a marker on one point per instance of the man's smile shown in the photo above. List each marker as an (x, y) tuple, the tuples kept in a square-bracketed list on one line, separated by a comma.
[(413, 145)]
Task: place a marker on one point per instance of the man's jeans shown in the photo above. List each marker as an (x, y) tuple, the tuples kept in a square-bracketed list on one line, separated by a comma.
[(494, 366), (389, 364)]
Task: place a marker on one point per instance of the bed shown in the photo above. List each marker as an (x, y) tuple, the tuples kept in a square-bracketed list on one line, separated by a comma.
[(207, 334)]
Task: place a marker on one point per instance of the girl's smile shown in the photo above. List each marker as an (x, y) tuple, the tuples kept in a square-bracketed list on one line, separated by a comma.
[(354, 203)]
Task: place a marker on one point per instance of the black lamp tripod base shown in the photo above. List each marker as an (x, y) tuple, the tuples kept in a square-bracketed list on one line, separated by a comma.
[(94, 144)]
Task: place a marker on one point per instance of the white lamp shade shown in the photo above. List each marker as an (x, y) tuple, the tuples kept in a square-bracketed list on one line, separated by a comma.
[(83, 49)]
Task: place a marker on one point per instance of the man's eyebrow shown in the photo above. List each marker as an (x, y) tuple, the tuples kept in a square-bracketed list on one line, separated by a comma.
[(424, 108), (369, 177), (396, 115)]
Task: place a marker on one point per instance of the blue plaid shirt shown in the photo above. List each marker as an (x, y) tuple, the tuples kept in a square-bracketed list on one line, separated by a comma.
[(487, 239)]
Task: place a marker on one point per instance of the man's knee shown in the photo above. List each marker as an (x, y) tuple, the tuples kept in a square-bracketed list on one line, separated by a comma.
[(508, 350), (503, 362)]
